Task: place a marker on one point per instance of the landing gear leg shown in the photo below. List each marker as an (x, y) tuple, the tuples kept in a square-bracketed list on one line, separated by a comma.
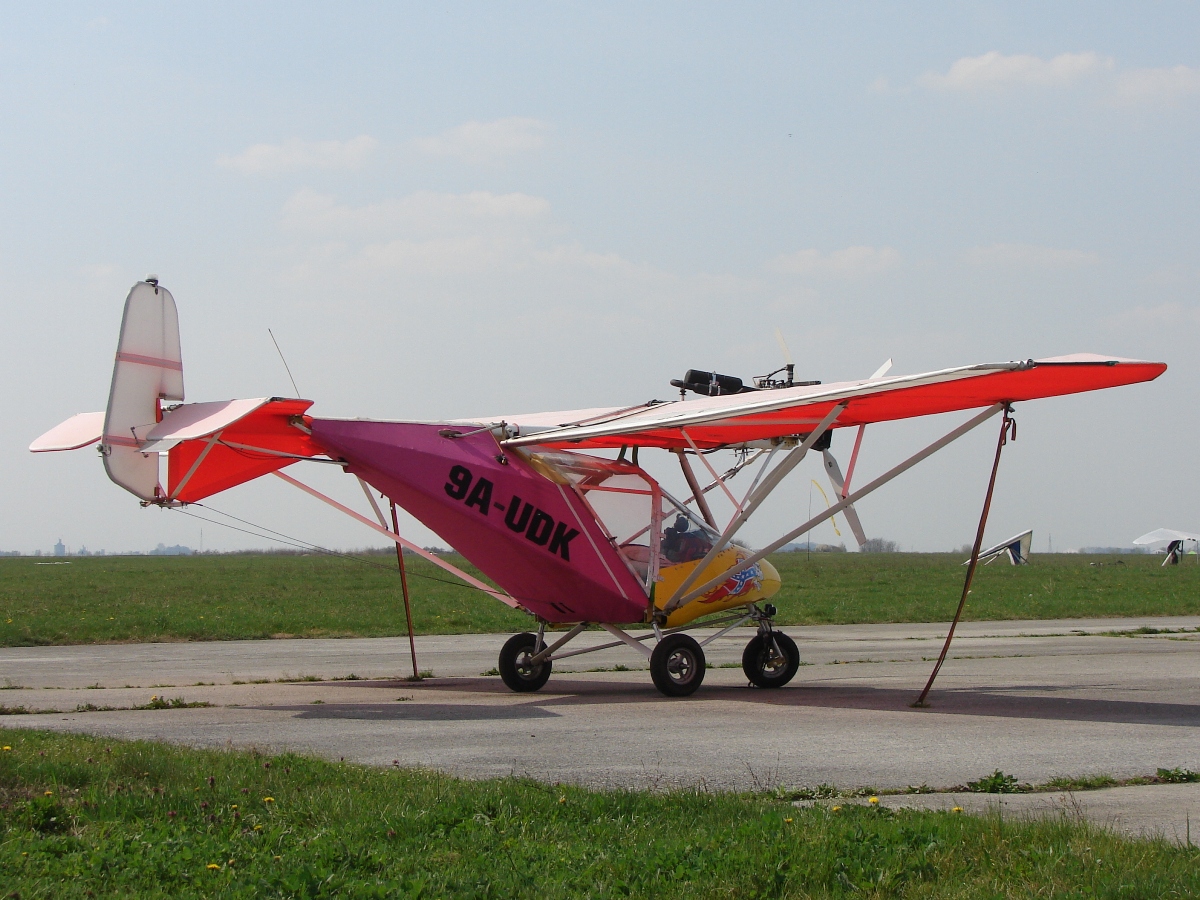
[(771, 658)]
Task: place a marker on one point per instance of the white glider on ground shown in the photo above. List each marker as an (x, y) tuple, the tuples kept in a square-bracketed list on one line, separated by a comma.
[(1174, 541), (1017, 548)]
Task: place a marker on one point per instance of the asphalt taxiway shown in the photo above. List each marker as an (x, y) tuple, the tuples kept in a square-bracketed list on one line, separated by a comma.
[(1034, 699)]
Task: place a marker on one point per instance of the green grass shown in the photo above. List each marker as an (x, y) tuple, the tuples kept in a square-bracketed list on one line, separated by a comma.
[(839, 588), (259, 596), (84, 817)]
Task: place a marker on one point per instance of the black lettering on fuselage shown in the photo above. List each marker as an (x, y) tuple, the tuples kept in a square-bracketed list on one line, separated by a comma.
[(561, 542), (517, 517), (540, 528), (459, 483), (481, 495), (520, 516)]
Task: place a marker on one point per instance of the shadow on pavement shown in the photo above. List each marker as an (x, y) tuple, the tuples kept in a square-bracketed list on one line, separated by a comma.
[(420, 712), (578, 692)]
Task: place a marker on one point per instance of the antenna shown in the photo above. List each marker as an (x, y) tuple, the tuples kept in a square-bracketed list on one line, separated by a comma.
[(284, 361), (790, 364)]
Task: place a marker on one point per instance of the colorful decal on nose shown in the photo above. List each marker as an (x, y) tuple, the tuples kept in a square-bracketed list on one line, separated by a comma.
[(742, 582)]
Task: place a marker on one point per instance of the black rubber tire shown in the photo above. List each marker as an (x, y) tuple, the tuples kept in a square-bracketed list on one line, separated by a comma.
[(761, 669), (514, 667), (677, 665)]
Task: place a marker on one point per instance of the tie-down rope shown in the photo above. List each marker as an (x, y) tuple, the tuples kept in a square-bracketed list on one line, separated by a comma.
[(1007, 424)]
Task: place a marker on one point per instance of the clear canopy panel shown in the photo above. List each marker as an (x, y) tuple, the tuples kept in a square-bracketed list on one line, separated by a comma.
[(648, 527)]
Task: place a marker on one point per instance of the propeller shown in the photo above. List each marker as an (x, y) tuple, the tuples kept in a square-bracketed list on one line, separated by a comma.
[(834, 471), (787, 354)]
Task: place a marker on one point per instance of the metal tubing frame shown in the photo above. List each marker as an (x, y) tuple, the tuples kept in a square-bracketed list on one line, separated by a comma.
[(879, 482), (737, 507), (420, 551), (697, 493), (862, 429), (751, 503), (735, 621), (541, 655), (629, 639)]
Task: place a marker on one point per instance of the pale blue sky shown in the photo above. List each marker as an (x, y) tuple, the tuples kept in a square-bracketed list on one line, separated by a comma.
[(491, 208)]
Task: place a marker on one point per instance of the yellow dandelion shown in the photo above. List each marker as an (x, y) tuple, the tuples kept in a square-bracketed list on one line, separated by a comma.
[(7, 749), (234, 806), (155, 697), (258, 828), (787, 821), (278, 858), (837, 809), (212, 866), (562, 799), (49, 794), (956, 809), (268, 799), (873, 800)]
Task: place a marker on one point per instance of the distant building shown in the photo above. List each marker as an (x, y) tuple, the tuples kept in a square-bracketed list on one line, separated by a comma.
[(60, 549), (177, 550)]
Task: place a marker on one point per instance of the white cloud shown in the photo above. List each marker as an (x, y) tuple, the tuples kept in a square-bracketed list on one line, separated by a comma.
[(851, 262), (996, 70), (422, 214), (1138, 86), (478, 142), (294, 154), (1029, 256)]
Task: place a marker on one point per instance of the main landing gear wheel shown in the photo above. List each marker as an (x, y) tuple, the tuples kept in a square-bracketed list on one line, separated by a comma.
[(764, 667), (515, 668), (677, 665)]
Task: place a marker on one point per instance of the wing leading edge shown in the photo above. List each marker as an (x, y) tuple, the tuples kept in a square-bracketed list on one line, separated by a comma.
[(739, 418)]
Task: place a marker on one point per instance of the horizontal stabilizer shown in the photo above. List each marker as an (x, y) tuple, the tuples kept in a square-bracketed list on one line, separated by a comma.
[(81, 430), (236, 450)]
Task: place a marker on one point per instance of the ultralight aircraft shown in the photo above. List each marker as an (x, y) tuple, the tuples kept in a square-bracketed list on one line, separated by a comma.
[(573, 538)]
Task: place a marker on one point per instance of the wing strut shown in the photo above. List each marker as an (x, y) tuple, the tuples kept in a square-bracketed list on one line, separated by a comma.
[(883, 479), (1007, 425), (401, 542), (753, 500)]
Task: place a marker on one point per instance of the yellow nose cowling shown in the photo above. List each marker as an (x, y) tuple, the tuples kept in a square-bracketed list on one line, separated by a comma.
[(759, 582)]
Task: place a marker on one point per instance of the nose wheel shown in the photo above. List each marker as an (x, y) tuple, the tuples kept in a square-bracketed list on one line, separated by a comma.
[(515, 667), (677, 665), (771, 659)]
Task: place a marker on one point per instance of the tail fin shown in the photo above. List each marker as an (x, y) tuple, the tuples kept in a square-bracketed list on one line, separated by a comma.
[(210, 446), (148, 369)]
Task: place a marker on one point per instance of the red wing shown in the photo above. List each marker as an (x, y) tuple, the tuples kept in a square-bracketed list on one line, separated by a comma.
[(735, 419)]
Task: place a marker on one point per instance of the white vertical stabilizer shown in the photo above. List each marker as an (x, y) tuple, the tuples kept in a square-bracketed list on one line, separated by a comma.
[(148, 369)]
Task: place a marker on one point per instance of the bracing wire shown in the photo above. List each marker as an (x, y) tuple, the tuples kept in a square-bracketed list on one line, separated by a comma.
[(271, 534)]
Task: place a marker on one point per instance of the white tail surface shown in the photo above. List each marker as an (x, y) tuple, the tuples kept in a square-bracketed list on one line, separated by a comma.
[(148, 369)]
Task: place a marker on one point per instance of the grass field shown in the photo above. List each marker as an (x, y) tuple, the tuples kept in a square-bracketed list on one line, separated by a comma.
[(258, 596), (84, 817)]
